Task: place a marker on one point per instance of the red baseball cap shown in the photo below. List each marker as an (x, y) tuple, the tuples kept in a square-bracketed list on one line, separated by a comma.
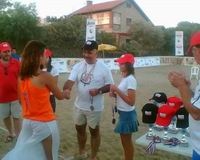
[(195, 40), (126, 58), (48, 53), (165, 115), (5, 46), (175, 103)]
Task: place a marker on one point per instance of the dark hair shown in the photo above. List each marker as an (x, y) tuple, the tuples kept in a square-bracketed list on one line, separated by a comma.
[(49, 65), (130, 69), (198, 45), (31, 59)]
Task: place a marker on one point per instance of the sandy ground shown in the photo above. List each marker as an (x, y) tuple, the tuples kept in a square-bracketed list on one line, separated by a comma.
[(149, 80)]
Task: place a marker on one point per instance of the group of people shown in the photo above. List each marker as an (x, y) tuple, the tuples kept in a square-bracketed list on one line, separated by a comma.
[(31, 85)]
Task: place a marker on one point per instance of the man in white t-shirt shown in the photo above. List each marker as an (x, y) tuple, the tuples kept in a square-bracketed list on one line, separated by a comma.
[(92, 79), (192, 104)]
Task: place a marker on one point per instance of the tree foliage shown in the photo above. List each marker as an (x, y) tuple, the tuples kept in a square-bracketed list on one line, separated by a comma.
[(66, 35), (19, 24)]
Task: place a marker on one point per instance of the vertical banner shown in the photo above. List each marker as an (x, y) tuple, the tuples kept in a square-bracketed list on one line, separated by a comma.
[(179, 50), (90, 30)]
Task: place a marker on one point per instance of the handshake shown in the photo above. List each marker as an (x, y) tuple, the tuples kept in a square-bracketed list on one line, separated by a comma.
[(66, 93)]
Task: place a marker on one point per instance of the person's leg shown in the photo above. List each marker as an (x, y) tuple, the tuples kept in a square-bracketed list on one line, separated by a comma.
[(47, 144), (5, 116), (93, 120), (82, 137), (17, 125), (8, 125), (95, 141), (16, 114), (80, 125), (128, 147)]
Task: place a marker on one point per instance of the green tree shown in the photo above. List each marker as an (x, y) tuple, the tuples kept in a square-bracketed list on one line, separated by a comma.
[(65, 36), (146, 39), (4, 4), (19, 25)]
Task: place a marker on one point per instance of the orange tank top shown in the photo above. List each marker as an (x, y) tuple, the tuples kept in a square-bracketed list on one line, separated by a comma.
[(35, 102)]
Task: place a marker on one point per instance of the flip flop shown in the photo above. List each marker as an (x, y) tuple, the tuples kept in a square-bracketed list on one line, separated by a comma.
[(9, 139)]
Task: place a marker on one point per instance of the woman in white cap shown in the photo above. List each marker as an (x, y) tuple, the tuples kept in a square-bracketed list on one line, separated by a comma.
[(125, 94)]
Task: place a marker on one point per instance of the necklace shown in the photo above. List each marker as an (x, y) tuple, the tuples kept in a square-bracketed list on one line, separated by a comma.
[(86, 76)]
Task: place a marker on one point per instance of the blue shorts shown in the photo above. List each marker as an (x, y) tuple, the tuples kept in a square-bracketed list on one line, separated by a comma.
[(195, 155), (127, 122)]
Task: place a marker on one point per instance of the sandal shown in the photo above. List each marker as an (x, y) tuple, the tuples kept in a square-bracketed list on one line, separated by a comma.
[(9, 139)]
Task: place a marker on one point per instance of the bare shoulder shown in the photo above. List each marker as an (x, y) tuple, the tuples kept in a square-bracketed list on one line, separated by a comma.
[(46, 77)]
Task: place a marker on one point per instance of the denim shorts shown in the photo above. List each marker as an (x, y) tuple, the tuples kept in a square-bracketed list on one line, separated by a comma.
[(127, 122)]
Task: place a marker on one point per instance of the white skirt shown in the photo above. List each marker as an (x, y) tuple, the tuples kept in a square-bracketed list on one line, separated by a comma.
[(29, 143)]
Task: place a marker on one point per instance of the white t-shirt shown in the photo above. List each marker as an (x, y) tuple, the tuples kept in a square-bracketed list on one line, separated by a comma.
[(194, 125), (126, 83), (90, 76), (54, 71)]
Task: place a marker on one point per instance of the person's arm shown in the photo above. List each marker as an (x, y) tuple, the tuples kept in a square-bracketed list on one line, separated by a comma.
[(131, 85), (72, 78), (178, 81), (56, 79), (186, 96), (68, 85), (108, 80), (129, 98), (50, 82)]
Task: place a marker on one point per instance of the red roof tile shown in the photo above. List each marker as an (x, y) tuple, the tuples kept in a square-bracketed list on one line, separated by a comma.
[(99, 7)]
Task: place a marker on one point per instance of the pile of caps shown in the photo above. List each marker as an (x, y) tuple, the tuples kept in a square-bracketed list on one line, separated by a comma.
[(160, 110)]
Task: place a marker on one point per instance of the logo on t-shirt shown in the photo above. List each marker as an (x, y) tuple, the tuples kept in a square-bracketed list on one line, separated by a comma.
[(86, 78)]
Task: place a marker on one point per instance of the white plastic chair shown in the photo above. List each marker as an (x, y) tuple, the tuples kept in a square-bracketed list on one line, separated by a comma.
[(194, 72)]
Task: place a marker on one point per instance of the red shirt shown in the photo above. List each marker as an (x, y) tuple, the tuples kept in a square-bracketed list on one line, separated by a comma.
[(9, 81)]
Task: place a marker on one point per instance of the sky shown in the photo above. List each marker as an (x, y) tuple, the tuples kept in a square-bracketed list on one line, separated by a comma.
[(161, 12)]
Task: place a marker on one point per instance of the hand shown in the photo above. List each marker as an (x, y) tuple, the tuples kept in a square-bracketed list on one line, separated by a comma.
[(113, 88), (111, 94), (178, 80), (66, 94), (93, 92)]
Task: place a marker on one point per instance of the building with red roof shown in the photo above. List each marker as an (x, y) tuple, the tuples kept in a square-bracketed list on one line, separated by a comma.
[(114, 16)]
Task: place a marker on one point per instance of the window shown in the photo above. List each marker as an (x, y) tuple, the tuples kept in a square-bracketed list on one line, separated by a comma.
[(117, 18), (102, 18), (128, 21)]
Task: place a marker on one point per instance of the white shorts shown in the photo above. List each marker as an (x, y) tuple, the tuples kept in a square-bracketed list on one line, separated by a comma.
[(10, 109), (92, 118), (29, 143)]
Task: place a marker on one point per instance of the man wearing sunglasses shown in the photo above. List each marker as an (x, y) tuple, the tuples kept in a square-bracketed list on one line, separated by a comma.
[(9, 105), (92, 79), (191, 103)]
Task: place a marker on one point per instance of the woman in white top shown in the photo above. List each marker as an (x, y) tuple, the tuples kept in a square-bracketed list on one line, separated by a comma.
[(53, 71), (125, 94)]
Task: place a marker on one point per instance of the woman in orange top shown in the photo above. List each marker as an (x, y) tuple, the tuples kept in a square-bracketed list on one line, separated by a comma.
[(39, 137)]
